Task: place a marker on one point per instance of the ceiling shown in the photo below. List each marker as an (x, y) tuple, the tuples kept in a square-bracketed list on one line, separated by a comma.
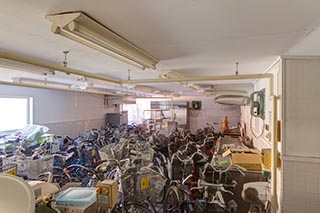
[(191, 37)]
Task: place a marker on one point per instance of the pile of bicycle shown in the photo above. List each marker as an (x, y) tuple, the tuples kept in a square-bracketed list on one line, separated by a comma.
[(181, 172)]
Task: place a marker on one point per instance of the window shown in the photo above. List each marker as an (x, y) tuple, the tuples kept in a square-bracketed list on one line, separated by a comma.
[(132, 112), (15, 113), (141, 110), (136, 111)]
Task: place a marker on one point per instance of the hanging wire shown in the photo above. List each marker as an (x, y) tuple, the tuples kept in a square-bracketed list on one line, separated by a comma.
[(237, 66), (251, 128), (65, 62), (129, 76)]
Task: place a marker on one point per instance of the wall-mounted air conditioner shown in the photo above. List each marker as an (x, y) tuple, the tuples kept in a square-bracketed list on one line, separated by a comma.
[(232, 98)]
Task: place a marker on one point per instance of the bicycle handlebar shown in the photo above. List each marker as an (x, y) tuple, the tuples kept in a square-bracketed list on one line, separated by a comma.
[(239, 168), (188, 158)]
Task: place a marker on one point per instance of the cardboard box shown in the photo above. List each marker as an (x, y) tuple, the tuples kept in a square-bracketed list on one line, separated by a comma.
[(247, 158), (239, 150), (250, 161)]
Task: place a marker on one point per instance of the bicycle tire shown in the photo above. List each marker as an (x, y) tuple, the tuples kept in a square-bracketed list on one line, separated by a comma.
[(172, 200), (151, 208), (136, 208)]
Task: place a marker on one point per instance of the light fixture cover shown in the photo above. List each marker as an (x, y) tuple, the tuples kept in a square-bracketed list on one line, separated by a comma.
[(80, 27)]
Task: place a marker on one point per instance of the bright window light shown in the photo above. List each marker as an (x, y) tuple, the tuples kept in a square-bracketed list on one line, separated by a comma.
[(15, 113), (132, 112)]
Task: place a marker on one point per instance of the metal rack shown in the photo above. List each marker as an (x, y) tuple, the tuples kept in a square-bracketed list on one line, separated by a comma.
[(155, 118)]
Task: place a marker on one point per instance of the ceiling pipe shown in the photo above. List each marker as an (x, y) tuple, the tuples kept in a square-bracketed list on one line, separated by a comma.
[(200, 78), (48, 65)]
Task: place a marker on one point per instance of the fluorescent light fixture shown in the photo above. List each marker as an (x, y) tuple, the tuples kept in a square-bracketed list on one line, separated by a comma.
[(175, 95), (207, 87), (51, 66), (162, 92), (170, 74), (143, 88), (78, 87), (19, 66), (98, 90), (89, 80), (81, 28), (85, 86), (173, 75), (31, 81)]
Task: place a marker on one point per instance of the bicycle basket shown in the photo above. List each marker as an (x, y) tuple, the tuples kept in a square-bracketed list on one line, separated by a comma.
[(36, 167)]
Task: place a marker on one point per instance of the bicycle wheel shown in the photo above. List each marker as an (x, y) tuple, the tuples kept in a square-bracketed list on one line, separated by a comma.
[(136, 208), (150, 206), (172, 200)]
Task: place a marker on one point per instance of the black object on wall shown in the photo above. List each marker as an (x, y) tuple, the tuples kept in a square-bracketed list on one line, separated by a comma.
[(116, 119), (113, 119), (196, 105)]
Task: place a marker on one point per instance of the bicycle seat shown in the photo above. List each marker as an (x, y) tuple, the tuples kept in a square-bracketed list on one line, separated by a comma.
[(256, 193), (251, 195), (261, 191)]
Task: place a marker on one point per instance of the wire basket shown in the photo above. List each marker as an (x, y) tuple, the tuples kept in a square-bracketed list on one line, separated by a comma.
[(19, 161), (9, 169), (26, 167), (155, 184), (142, 186), (36, 167), (111, 150), (147, 157)]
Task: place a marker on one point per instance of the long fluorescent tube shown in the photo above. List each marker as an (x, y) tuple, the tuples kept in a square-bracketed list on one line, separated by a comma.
[(35, 83), (81, 28), (41, 82), (19, 66)]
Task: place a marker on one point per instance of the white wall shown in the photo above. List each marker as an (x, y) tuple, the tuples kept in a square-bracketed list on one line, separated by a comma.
[(301, 147), (64, 112), (302, 103), (211, 112), (301, 185), (257, 123)]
